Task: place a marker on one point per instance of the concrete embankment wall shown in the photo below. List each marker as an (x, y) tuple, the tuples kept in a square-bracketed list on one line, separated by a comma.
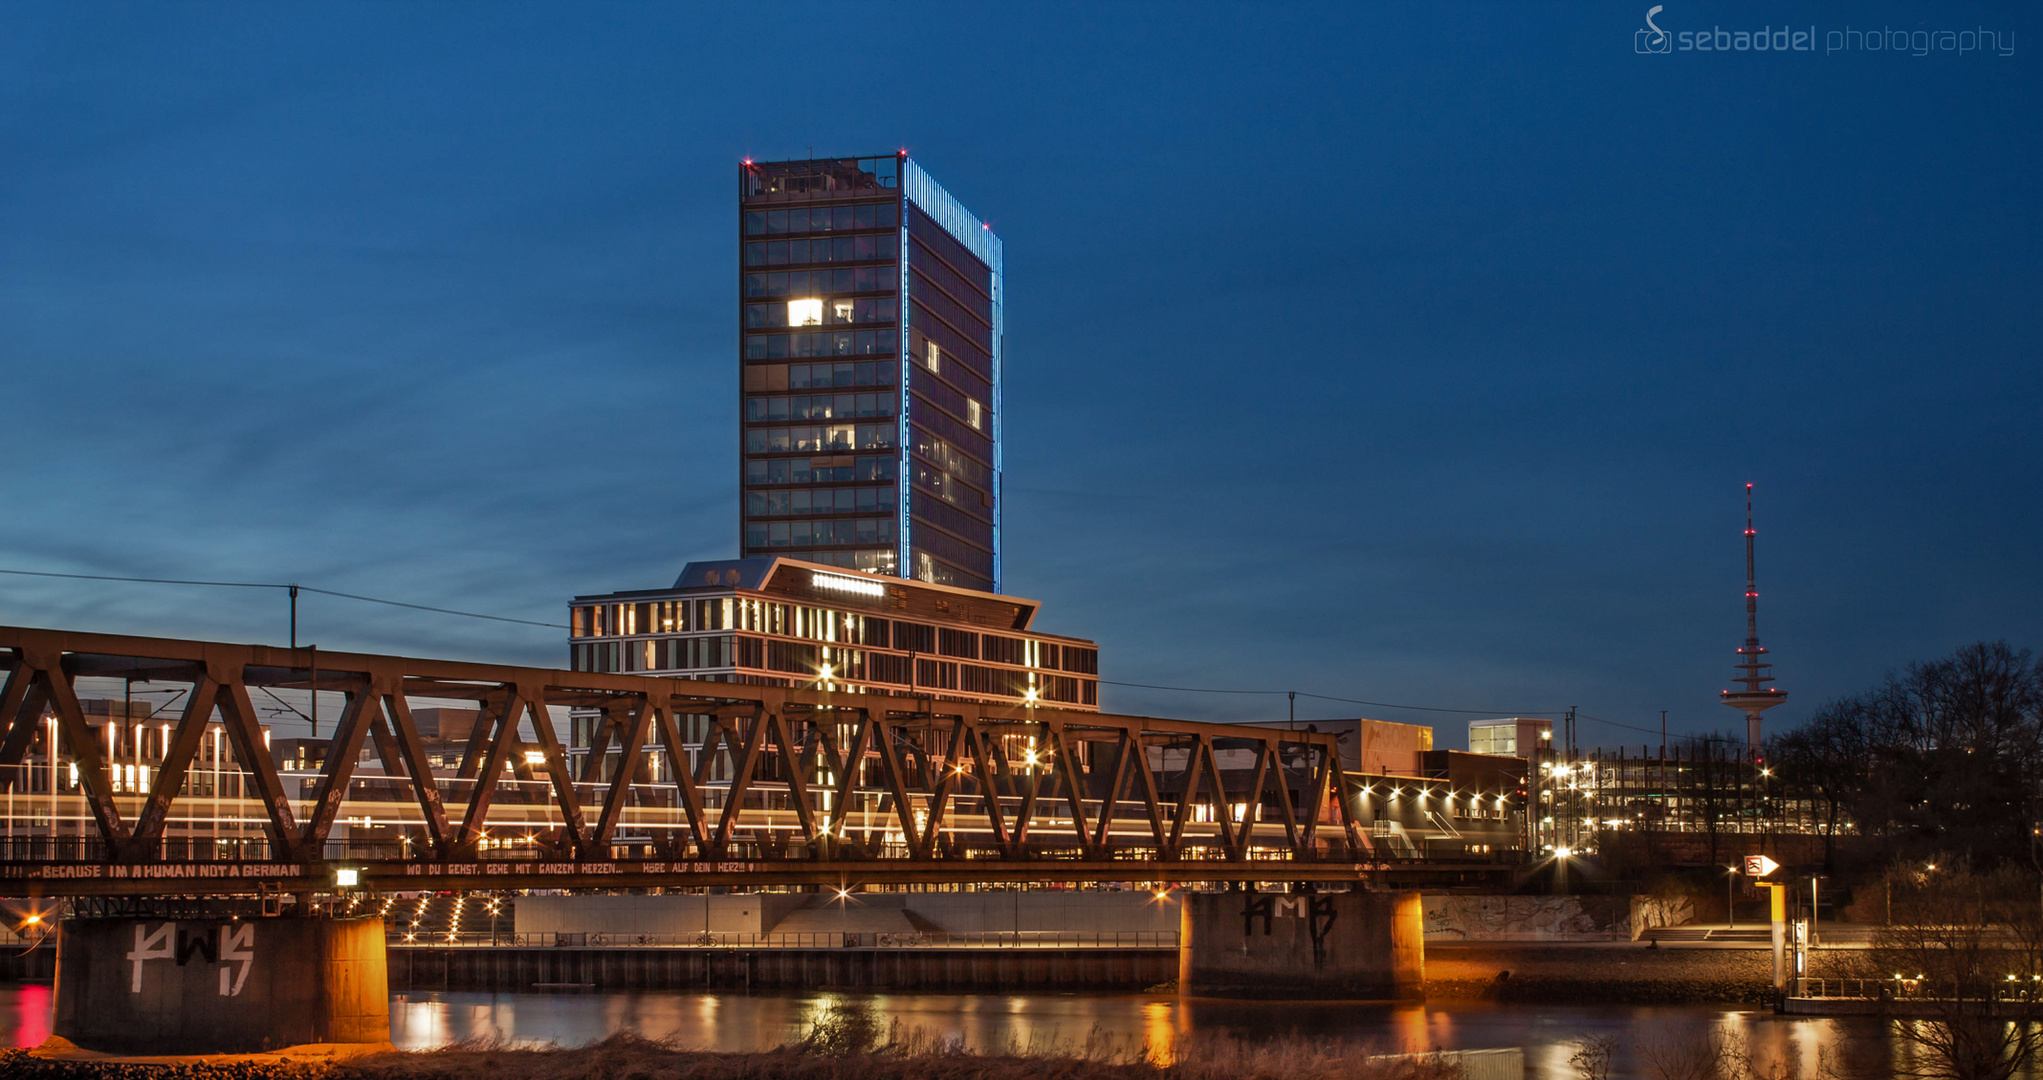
[(36, 964), (1616, 973), (863, 913), (933, 970), (1460, 917)]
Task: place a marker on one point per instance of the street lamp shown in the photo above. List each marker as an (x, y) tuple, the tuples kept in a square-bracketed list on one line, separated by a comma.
[(1730, 912)]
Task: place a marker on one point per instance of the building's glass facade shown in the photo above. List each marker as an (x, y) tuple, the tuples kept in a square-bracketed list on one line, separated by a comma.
[(870, 323), (778, 622)]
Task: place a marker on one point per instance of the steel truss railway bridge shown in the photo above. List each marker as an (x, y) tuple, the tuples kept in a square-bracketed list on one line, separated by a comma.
[(685, 784)]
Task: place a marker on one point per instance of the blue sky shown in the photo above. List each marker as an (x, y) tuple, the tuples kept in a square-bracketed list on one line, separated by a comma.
[(1410, 354)]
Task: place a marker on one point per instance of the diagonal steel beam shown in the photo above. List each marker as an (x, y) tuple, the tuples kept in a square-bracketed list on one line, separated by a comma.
[(1026, 816), (1123, 751), (890, 764), (185, 741), (798, 791), (1068, 767), (22, 705), (607, 728), (1244, 831), (741, 780), (1150, 803), (637, 721), (259, 771), (489, 771), (489, 713), (847, 773), (1322, 774), (92, 769), (410, 761), (989, 790), (1276, 775), (363, 704), (1186, 797), (941, 790), (685, 784), (557, 768)]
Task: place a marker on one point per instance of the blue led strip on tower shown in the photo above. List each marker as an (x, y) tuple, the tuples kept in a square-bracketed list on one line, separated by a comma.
[(965, 227), (905, 565)]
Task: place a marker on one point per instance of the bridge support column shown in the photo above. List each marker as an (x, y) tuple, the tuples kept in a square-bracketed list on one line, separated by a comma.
[(203, 986), (1353, 945)]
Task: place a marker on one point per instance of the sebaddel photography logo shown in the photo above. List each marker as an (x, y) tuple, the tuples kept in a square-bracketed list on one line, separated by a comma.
[(1652, 39)]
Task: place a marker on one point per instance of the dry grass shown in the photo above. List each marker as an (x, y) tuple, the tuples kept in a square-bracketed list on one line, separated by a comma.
[(849, 1043), (843, 1043)]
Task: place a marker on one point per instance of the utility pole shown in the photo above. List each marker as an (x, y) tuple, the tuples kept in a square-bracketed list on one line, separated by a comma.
[(1663, 767), (294, 616), (1293, 695), (1574, 800)]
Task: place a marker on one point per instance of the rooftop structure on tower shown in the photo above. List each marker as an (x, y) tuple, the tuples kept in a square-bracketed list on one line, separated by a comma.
[(1756, 697)]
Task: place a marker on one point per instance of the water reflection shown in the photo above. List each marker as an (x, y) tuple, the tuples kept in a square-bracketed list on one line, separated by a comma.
[(1549, 1035)]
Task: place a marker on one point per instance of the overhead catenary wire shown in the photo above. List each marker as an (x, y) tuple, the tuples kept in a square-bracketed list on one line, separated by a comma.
[(1380, 704), (561, 626), (1343, 700), (285, 586)]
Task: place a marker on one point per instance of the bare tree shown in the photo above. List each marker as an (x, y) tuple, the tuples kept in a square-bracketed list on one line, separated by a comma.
[(1829, 757), (1964, 950), (1947, 756)]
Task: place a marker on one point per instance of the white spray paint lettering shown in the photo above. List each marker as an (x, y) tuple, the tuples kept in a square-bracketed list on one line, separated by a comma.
[(237, 946), (235, 955), (156, 946)]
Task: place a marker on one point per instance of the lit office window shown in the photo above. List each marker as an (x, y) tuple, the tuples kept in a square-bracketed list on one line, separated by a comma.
[(807, 312)]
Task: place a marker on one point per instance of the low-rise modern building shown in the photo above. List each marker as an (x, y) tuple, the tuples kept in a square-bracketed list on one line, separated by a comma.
[(784, 622), (1515, 736)]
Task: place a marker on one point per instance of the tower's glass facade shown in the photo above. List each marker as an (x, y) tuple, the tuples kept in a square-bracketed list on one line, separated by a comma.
[(870, 316)]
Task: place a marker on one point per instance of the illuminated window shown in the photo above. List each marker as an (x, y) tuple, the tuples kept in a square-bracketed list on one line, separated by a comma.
[(805, 312), (840, 311), (933, 357), (974, 415)]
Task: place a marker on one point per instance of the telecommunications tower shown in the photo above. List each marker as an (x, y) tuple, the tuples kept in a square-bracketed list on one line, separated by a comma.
[(1757, 697)]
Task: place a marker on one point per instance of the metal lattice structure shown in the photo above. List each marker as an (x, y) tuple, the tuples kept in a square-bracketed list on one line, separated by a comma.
[(683, 783)]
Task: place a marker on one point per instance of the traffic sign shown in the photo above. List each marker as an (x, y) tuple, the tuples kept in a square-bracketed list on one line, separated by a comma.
[(1759, 866)]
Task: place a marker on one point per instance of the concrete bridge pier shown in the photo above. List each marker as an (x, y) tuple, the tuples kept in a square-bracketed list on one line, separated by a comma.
[(206, 986), (1349, 945)]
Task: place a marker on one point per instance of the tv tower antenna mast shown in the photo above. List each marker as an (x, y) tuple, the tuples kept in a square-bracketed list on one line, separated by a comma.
[(1757, 697)]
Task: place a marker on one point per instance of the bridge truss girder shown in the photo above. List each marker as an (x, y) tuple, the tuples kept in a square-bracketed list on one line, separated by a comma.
[(1053, 810)]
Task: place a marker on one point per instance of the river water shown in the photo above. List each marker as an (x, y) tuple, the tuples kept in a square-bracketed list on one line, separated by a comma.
[(1548, 1034)]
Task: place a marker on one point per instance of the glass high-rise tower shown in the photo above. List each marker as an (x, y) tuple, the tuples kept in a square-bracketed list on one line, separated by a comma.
[(870, 319)]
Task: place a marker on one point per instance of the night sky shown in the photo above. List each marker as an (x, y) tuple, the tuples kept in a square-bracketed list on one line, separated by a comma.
[(1411, 355)]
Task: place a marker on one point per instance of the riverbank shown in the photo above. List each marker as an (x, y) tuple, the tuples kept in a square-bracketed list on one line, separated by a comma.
[(844, 1048), (1629, 975)]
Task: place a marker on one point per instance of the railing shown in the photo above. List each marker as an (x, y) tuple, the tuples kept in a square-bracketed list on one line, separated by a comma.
[(1845, 988), (1026, 939), (2011, 992)]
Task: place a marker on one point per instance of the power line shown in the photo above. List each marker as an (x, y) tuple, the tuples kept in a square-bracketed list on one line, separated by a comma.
[(1346, 701), (1614, 723), (274, 585), (1431, 708)]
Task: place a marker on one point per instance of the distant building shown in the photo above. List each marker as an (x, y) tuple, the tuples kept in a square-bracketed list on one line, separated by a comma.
[(132, 739), (1370, 746), (870, 349), (1513, 737), (783, 622), (1416, 801)]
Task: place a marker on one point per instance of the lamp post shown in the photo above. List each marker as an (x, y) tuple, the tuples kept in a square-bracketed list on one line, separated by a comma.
[(1730, 908)]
